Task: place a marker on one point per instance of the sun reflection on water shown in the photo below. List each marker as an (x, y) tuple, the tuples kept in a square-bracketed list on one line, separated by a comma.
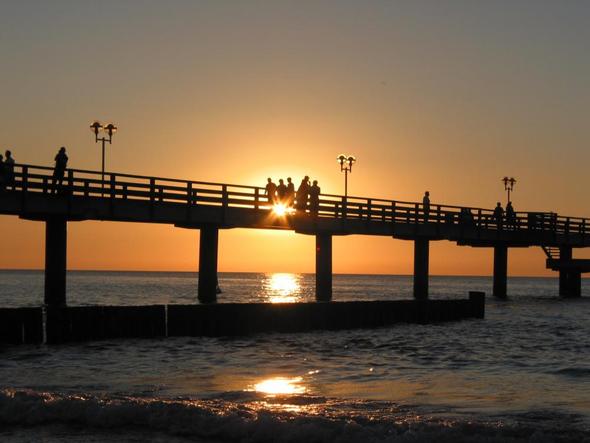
[(283, 288), (280, 385)]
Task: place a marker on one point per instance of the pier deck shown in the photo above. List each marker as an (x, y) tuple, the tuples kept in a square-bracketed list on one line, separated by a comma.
[(209, 207)]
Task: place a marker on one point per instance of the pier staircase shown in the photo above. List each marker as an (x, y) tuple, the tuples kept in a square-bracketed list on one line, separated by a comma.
[(570, 269), (552, 252)]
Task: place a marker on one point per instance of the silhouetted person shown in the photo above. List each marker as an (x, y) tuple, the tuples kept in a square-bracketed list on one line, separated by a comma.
[(282, 192), (290, 192), (314, 198), (302, 194), (61, 162), (426, 205), (510, 215), (466, 217), (2, 174), (498, 215), (270, 191), (9, 169)]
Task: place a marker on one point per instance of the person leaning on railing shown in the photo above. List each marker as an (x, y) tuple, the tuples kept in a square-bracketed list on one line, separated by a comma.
[(9, 169), (61, 162), (498, 215)]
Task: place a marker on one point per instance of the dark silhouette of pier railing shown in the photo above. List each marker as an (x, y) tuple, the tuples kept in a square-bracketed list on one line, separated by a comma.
[(208, 206), (84, 183)]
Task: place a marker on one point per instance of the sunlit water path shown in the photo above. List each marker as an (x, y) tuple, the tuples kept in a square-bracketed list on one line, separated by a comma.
[(521, 374)]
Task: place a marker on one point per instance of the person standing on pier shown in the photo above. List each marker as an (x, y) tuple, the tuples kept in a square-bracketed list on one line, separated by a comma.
[(281, 192), (426, 205), (2, 174), (498, 215), (302, 194), (510, 216), (61, 163), (290, 193), (270, 191), (314, 198), (9, 169)]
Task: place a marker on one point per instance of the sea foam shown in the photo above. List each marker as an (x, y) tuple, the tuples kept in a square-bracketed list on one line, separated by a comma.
[(224, 421)]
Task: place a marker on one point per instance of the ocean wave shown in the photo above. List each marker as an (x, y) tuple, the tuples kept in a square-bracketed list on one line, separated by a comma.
[(220, 420)]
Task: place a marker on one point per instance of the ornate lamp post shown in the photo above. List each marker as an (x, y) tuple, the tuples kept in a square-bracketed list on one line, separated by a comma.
[(509, 185), (346, 163), (109, 129)]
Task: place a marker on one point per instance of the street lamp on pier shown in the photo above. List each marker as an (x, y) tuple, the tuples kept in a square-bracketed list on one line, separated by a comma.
[(109, 129), (346, 163), (509, 185)]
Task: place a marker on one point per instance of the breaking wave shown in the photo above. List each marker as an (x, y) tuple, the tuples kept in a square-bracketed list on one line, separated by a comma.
[(297, 418)]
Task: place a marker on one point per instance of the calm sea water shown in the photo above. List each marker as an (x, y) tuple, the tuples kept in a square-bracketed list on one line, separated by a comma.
[(521, 374)]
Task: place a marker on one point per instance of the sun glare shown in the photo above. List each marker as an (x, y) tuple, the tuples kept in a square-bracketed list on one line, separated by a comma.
[(281, 210), (280, 385)]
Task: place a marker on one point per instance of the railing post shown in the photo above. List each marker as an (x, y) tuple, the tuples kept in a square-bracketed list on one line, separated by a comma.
[(112, 185), (160, 193), (416, 211), (256, 198), (152, 189), (45, 188), (24, 186), (393, 212), (224, 197), (344, 207), (125, 191), (438, 214), (25, 178), (189, 193), (86, 191), (71, 181), (369, 209), (224, 201)]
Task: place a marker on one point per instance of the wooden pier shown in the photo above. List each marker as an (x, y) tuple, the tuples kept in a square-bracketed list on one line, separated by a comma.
[(210, 207)]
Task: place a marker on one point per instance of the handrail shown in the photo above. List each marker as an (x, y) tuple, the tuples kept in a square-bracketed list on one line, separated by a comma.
[(330, 205)]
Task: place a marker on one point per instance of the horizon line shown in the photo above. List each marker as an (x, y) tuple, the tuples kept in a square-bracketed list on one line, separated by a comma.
[(274, 272)]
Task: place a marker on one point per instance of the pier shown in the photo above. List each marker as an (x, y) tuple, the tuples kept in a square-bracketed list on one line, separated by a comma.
[(210, 207)]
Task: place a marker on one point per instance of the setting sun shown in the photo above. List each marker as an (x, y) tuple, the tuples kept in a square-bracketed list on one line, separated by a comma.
[(282, 210)]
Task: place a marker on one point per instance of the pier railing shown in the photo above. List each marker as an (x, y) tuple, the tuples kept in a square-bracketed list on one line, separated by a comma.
[(89, 184)]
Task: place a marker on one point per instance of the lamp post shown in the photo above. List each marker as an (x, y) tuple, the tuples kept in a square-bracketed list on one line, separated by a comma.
[(109, 129), (346, 163), (509, 185)]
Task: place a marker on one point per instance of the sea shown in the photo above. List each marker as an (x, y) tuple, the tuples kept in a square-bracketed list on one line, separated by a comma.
[(521, 374)]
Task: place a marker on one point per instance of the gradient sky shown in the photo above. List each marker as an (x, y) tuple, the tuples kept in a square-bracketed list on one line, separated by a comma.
[(445, 96)]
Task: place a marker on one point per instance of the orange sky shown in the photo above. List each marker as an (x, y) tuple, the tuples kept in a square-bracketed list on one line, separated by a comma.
[(440, 96)]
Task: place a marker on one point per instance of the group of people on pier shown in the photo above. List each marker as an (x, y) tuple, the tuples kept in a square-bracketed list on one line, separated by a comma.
[(306, 196), (509, 215)]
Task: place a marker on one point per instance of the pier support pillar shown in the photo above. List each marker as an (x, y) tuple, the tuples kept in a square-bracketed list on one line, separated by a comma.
[(421, 252), (565, 278), (56, 242), (500, 271), (323, 267), (208, 246), (573, 287)]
